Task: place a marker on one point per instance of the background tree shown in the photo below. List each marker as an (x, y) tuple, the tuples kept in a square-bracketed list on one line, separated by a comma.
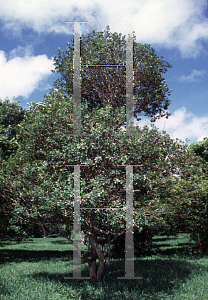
[(11, 114), (201, 149), (39, 181), (191, 212), (107, 85), (197, 218)]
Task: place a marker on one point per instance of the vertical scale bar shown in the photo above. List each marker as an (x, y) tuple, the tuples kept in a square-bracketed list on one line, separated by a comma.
[(76, 228), (76, 83), (77, 79), (129, 79), (129, 242)]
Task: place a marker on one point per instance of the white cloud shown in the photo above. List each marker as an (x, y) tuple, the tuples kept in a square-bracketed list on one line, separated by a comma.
[(173, 23), (181, 124), (194, 76), (20, 76), (45, 16)]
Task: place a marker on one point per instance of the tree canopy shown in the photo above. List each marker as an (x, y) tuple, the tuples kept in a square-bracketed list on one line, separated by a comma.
[(107, 85)]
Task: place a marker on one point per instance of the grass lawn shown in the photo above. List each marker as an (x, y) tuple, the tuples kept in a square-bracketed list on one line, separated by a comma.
[(35, 269)]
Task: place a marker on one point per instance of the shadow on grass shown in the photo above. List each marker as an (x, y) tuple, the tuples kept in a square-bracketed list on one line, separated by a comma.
[(30, 255), (10, 255), (13, 241), (163, 249), (158, 276)]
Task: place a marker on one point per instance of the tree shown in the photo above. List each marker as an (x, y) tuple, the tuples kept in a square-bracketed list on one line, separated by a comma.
[(39, 178), (11, 114), (39, 182), (197, 219), (106, 85), (201, 149), (192, 212)]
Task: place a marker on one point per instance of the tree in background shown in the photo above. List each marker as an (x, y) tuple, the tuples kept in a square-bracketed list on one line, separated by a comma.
[(106, 85), (11, 114), (197, 219), (40, 181), (201, 149), (190, 198)]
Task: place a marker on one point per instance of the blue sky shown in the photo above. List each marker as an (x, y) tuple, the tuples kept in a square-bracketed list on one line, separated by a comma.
[(31, 32)]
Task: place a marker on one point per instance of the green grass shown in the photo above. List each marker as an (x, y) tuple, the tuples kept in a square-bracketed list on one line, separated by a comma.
[(35, 269)]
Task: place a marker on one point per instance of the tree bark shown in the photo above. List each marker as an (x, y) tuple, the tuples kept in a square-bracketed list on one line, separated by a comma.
[(94, 272), (92, 264)]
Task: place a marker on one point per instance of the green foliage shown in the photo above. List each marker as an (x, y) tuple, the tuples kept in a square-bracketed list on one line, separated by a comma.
[(11, 114), (189, 197), (201, 148), (107, 85)]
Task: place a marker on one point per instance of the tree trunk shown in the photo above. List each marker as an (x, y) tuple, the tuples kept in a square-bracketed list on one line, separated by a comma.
[(92, 264), (43, 230), (94, 272)]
